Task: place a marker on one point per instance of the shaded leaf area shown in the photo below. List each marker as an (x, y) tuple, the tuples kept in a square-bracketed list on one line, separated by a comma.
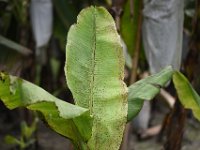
[(15, 46), (146, 89), (64, 16), (95, 71), (187, 95), (66, 11), (13, 141), (129, 22), (10, 59), (61, 116)]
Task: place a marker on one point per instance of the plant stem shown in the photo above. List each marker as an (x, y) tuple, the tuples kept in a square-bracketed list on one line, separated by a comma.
[(178, 116), (175, 128), (137, 48)]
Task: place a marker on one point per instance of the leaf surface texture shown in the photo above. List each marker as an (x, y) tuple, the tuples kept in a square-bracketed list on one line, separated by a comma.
[(187, 95), (95, 72), (61, 116), (146, 89)]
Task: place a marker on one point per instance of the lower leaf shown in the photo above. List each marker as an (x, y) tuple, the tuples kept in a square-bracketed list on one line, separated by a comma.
[(66, 119), (187, 95), (146, 89)]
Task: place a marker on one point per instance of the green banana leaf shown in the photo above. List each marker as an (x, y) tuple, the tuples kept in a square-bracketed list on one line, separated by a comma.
[(130, 24), (146, 89), (66, 11), (64, 16), (95, 71), (63, 117), (187, 95)]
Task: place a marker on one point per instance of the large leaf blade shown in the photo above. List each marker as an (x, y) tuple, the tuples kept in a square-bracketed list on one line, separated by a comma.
[(187, 95), (63, 117), (146, 89), (94, 71)]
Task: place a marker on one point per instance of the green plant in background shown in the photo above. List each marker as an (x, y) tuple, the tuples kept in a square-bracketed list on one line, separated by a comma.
[(26, 138), (94, 72)]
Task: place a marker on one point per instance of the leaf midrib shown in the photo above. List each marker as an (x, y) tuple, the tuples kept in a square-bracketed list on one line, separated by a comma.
[(93, 64)]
